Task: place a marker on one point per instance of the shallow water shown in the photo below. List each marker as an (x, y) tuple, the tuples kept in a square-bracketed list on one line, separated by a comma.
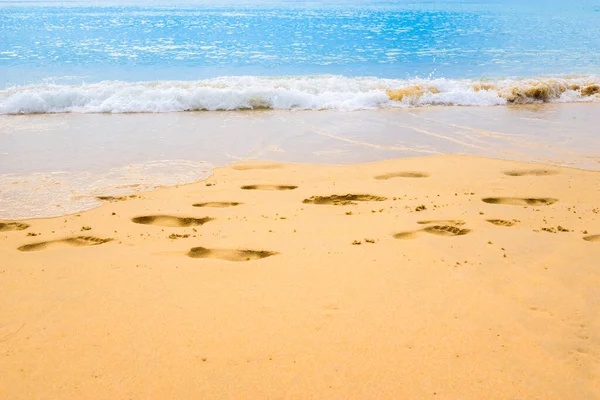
[(57, 164)]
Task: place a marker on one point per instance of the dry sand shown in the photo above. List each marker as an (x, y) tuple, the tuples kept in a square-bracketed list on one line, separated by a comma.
[(437, 277)]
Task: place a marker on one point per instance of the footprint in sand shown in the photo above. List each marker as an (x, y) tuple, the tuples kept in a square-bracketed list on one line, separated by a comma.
[(342, 200), (592, 238), (405, 174), (217, 204), (78, 241), (170, 221), (502, 222), (112, 199), (453, 222), (251, 166), (12, 226), (440, 230), (406, 235), (446, 230), (531, 172), (269, 187), (520, 201), (229, 254)]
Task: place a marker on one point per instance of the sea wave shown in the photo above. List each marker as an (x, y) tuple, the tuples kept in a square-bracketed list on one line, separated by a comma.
[(292, 93)]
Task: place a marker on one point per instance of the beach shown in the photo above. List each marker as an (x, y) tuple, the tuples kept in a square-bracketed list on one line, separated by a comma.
[(227, 199), (441, 276)]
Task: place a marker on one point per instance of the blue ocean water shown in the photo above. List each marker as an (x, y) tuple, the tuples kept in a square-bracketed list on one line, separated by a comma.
[(147, 56)]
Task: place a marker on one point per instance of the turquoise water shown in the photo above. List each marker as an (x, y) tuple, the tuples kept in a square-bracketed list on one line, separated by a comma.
[(58, 57)]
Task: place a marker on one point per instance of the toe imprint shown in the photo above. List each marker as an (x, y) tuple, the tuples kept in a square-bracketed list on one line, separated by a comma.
[(446, 230), (501, 222)]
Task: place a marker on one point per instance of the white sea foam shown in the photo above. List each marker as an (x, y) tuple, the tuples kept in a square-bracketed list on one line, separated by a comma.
[(41, 195), (291, 93)]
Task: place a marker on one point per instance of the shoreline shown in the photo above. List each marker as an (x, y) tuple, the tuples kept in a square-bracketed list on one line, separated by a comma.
[(106, 154), (455, 275), (107, 199)]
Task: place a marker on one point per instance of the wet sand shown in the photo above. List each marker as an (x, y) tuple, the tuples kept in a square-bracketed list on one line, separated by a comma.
[(430, 277), (57, 164)]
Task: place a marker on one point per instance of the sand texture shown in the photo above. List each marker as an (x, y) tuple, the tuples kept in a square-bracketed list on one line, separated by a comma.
[(451, 277)]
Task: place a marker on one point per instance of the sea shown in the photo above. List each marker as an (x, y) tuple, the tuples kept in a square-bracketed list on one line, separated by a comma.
[(211, 82), (97, 57)]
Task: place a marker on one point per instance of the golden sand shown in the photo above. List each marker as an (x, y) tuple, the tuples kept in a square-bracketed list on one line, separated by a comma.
[(438, 277)]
